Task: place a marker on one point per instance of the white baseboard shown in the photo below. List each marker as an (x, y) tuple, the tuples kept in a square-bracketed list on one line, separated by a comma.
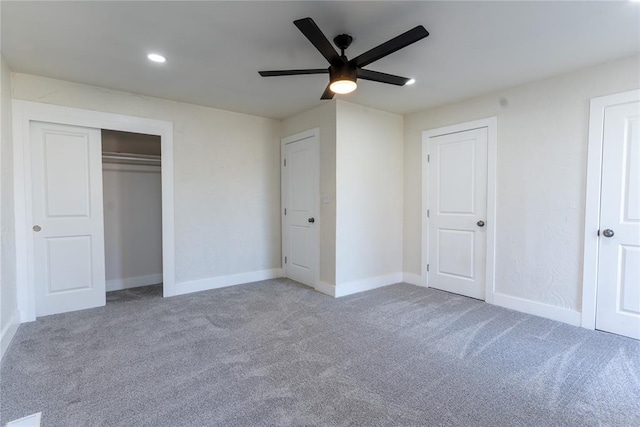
[(8, 332), (552, 312), (326, 288), (224, 281), (133, 282), (367, 284), (412, 279)]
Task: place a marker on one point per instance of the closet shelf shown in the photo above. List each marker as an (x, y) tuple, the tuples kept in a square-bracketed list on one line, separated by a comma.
[(131, 159)]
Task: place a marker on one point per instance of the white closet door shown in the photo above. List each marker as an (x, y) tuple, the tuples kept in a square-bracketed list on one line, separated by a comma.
[(66, 169)]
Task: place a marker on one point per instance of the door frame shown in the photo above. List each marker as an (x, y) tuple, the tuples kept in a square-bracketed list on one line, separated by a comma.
[(592, 202), (315, 251), (491, 123), (24, 112)]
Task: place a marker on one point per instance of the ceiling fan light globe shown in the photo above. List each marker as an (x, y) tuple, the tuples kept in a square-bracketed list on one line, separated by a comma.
[(343, 86)]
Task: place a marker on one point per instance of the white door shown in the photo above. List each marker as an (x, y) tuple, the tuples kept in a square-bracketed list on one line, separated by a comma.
[(300, 194), (68, 236), (618, 296), (457, 212)]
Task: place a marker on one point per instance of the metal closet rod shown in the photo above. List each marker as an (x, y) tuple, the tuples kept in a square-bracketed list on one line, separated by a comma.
[(135, 157)]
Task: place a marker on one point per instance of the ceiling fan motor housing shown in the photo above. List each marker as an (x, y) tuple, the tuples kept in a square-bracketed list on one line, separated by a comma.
[(343, 72)]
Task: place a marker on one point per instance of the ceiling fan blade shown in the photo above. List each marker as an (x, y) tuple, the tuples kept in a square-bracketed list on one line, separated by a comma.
[(293, 72), (377, 76), (328, 93), (311, 31), (387, 48)]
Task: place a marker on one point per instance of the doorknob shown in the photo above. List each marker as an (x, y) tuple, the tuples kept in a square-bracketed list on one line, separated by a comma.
[(608, 233), (37, 228), (311, 220), (480, 223)]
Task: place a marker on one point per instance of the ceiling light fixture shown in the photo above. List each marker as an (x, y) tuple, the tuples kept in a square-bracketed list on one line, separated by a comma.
[(156, 58), (343, 86), (410, 82), (343, 79)]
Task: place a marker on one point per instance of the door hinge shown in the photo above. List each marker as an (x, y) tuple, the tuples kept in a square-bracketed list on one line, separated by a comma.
[(428, 158), (427, 213), (598, 232), (285, 162), (427, 267), (285, 260), (285, 211)]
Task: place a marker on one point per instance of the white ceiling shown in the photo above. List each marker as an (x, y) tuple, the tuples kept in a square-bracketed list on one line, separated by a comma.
[(214, 49)]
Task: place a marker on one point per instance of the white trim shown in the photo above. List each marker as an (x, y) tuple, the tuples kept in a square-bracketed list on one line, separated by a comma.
[(315, 251), (8, 332), (552, 312), (224, 281), (592, 202), (23, 113), (325, 288), (367, 284), (491, 123), (412, 279), (133, 282)]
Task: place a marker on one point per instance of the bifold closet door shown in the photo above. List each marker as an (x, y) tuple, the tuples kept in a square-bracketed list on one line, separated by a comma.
[(68, 230)]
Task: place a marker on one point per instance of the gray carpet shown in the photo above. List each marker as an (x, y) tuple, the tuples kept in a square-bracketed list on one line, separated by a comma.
[(278, 353)]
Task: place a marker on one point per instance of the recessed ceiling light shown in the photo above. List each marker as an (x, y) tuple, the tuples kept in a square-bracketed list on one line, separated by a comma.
[(156, 58), (410, 82)]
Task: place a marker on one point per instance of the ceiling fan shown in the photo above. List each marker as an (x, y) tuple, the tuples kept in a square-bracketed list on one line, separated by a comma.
[(343, 73)]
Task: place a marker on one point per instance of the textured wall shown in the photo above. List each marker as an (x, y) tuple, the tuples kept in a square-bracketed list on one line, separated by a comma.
[(8, 301), (132, 221), (226, 175), (369, 176), (541, 172), (323, 117)]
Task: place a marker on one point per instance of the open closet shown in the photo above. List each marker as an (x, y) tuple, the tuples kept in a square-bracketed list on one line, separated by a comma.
[(132, 206)]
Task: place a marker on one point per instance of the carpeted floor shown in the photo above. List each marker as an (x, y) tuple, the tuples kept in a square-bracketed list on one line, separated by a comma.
[(278, 353)]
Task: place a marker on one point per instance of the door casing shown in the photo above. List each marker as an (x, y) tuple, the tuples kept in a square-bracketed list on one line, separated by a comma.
[(315, 250), (592, 202), (491, 124), (24, 112)]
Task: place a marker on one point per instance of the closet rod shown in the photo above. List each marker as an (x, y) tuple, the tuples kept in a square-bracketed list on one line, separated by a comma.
[(126, 157)]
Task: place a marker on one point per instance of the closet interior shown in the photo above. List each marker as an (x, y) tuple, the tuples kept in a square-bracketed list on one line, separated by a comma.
[(132, 197)]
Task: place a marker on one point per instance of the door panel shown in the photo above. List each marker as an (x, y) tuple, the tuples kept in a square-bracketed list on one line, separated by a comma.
[(67, 188), (456, 253), (69, 263), (67, 207), (456, 185), (457, 201), (618, 296), (300, 195)]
